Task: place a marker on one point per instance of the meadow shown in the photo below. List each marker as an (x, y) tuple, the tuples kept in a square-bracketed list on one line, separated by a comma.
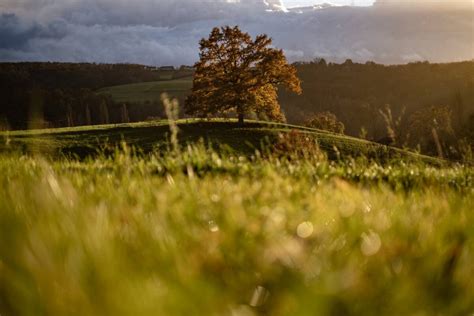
[(150, 91), (151, 226)]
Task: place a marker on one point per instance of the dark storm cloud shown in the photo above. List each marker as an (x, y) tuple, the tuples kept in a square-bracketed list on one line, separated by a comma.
[(13, 34), (168, 31), (145, 12)]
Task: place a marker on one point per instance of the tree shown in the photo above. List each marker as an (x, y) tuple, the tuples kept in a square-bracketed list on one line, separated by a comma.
[(238, 74), (326, 121), (431, 128)]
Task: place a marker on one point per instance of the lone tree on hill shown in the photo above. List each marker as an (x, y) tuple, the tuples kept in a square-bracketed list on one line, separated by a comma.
[(240, 75)]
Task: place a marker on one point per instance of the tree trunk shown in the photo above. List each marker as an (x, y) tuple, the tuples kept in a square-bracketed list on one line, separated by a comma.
[(88, 115), (105, 113), (70, 116), (125, 116), (240, 111), (241, 118)]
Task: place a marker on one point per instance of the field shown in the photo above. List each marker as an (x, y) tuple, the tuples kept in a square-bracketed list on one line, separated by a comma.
[(150, 91), (136, 225)]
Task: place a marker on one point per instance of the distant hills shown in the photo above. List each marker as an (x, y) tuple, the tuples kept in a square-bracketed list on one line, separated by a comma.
[(89, 94)]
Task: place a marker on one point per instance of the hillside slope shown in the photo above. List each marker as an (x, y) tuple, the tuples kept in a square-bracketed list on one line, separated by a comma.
[(148, 136), (150, 91)]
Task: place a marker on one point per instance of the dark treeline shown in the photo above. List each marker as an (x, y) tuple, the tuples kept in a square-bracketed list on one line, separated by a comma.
[(401, 105), (63, 94), (418, 105), (82, 75)]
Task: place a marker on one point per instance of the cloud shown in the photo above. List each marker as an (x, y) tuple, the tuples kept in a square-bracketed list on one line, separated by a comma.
[(13, 34), (428, 3), (125, 12), (162, 32)]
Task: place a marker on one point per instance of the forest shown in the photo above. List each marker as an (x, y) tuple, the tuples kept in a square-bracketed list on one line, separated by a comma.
[(64, 93), (402, 102)]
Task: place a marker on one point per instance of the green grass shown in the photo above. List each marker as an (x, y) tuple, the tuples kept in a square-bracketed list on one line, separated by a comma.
[(150, 91), (200, 232), (148, 136), (229, 223)]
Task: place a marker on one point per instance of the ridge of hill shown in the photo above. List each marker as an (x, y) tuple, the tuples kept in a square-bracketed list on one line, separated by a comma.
[(221, 133)]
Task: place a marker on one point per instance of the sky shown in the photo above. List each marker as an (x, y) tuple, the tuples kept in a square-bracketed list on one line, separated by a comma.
[(167, 32), (295, 3)]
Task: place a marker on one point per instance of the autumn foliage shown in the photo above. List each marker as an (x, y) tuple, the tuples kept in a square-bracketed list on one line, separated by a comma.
[(236, 74), (326, 121)]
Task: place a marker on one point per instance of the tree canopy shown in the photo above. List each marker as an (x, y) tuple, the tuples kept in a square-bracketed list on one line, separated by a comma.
[(239, 75), (326, 121)]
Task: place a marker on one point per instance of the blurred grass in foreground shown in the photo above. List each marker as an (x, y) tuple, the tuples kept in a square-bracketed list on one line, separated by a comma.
[(204, 233)]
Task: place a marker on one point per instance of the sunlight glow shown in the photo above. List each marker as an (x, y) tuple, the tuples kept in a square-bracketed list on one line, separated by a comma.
[(299, 3)]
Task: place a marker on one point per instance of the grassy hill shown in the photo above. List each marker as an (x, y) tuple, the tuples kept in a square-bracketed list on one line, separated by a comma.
[(147, 136), (202, 232)]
